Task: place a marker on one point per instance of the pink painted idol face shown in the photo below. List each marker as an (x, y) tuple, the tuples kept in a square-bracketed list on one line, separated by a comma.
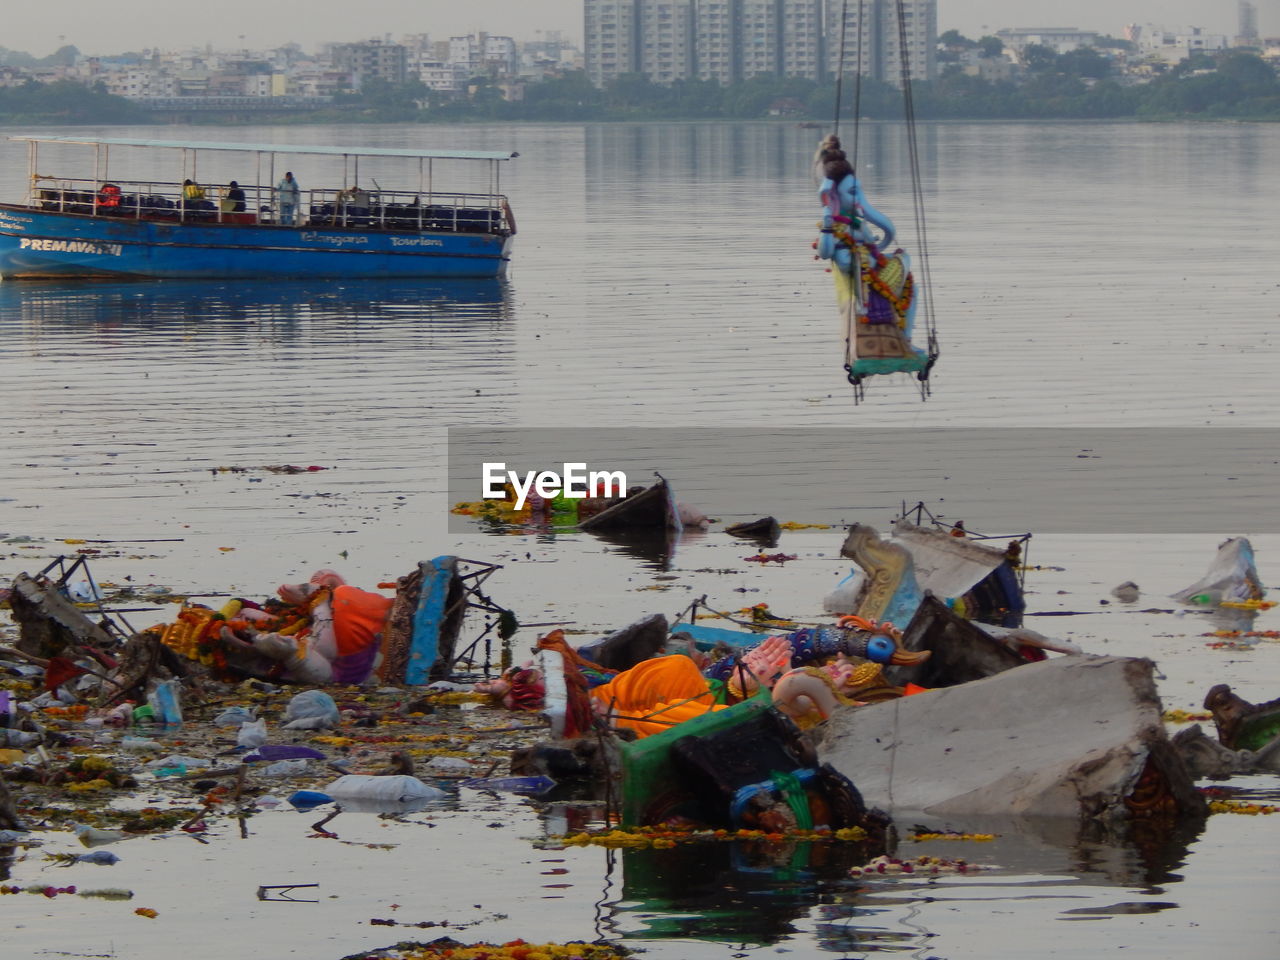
[(327, 578)]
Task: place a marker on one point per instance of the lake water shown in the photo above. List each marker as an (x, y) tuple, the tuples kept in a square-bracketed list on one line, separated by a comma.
[(1086, 277)]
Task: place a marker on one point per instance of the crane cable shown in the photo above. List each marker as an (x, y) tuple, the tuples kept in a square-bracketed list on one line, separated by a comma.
[(857, 92), (835, 124), (917, 197)]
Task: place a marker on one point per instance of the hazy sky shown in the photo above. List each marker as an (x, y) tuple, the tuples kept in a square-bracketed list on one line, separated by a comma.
[(113, 26)]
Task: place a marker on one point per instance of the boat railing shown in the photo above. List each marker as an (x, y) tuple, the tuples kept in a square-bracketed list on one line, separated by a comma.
[(407, 210), (352, 208)]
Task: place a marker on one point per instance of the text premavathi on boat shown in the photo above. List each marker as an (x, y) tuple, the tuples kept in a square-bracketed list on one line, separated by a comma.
[(272, 225)]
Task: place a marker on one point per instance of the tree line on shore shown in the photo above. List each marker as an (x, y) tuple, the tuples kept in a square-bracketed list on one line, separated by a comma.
[(1077, 85)]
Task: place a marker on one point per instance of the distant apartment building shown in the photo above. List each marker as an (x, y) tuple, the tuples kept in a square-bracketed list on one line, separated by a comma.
[(316, 80), (666, 35), (611, 35), (1174, 46), (551, 49), (436, 75), (138, 82), (759, 32), (1247, 24), (875, 34), (719, 55), (1058, 39), (802, 41), (730, 40), (480, 54), (371, 59), (780, 37), (914, 37)]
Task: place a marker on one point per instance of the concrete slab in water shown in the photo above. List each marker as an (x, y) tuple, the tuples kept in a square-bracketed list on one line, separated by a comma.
[(1066, 737)]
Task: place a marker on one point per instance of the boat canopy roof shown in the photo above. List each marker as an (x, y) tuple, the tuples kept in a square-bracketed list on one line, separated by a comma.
[(281, 148)]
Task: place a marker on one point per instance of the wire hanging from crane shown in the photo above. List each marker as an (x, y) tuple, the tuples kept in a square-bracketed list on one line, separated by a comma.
[(844, 15), (857, 88), (917, 199)]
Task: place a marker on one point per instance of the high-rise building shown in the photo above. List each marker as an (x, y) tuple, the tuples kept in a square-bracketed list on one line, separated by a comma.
[(759, 37), (803, 43), (779, 37), (731, 40), (875, 34), (914, 36), (611, 35), (666, 39), (718, 55), (1247, 30)]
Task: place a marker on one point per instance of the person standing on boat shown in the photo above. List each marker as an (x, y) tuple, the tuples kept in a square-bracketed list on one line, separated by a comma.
[(287, 195), (233, 199)]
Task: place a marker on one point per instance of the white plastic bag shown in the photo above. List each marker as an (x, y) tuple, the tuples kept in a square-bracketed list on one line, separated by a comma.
[(233, 717), (399, 794), (847, 594), (311, 710), (253, 734), (286, 768)]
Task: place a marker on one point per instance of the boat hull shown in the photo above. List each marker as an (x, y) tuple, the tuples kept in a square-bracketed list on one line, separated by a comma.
[(40, 245)]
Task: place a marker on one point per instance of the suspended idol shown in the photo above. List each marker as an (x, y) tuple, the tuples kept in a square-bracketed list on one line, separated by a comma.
[(875, 289)]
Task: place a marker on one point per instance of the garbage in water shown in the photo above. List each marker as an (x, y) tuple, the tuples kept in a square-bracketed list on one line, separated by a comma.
[(1232, 578), (354, 788), (311, 710), (747, 727), (285, 751), (305, 800), (533, 786)]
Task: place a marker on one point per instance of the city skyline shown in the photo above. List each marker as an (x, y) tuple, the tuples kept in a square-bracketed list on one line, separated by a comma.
[(142, 24)]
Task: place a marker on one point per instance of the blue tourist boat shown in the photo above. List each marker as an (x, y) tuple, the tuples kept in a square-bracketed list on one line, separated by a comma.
[(101, 225)]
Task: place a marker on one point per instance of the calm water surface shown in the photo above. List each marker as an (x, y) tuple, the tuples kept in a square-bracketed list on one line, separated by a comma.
[(1084, 276)]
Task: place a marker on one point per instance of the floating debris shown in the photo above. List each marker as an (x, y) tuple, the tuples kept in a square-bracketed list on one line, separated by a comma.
[(47, 890), (927, 866), (1127, 592), (511, 950), (666, 837), (1242, 807), (1186, 716)]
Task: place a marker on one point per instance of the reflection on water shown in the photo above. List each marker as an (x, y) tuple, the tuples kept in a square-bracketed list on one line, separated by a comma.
[(758, 892), (137, 390), (742, 156), (734, 892), (663, 277), (163, 306)]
